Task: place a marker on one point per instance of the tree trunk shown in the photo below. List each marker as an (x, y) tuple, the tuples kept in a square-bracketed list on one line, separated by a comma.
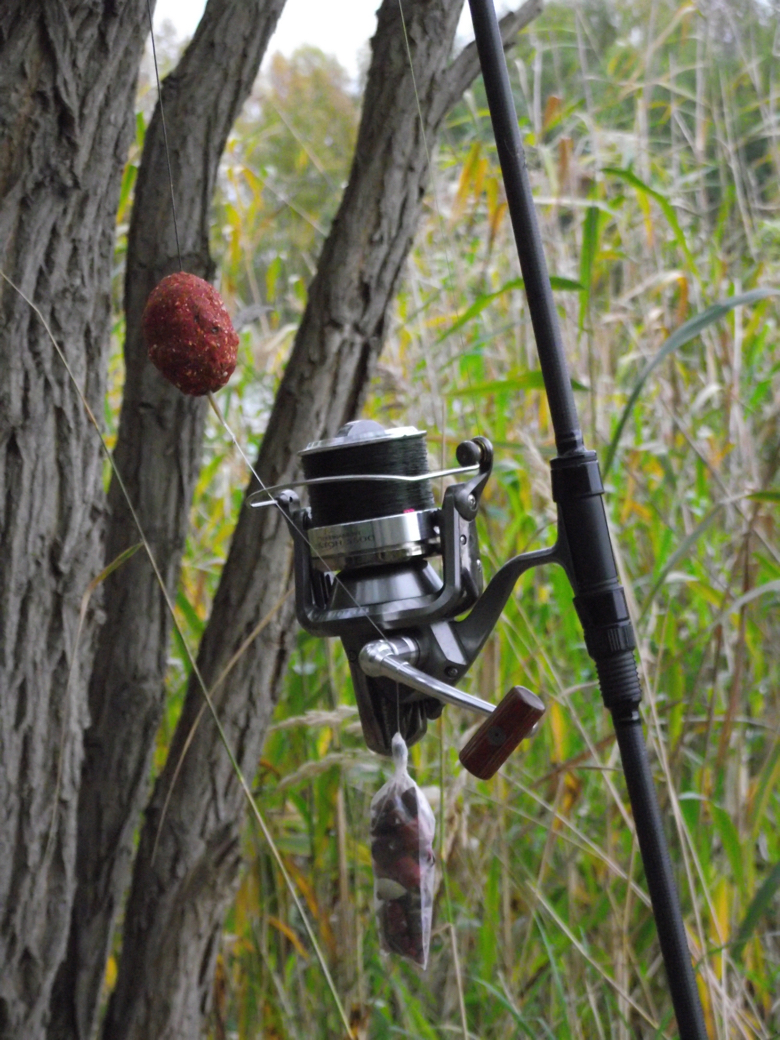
[(188, 858), (68, 75), (158, 454)]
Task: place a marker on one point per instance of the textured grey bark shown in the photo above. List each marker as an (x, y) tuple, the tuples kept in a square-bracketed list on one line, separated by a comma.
[(68, 75), (158, 454), (188, 859)]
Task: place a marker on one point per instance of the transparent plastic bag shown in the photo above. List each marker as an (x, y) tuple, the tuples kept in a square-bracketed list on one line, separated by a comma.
[(402, 830)]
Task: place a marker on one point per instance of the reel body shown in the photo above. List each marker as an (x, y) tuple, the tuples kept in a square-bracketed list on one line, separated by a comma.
[(363, 572)]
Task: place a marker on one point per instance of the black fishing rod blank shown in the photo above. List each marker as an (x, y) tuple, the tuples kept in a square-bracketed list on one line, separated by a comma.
[(583, 534)]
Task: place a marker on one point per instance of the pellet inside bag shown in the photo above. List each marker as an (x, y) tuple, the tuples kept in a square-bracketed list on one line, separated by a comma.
[(402, 829)]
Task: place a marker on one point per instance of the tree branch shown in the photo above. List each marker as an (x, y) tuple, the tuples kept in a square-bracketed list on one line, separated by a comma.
[(465, 68)]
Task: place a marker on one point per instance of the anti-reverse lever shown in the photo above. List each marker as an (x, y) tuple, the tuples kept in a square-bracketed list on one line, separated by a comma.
[(498, 736)]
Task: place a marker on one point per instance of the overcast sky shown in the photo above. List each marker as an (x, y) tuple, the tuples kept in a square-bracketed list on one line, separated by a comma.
[(338, 27)]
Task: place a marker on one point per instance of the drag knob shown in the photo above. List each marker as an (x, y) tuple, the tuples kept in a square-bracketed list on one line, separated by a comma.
[(501, 732)]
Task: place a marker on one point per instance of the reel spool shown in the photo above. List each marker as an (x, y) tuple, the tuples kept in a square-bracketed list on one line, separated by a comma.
[(364, 523), (363, 572)]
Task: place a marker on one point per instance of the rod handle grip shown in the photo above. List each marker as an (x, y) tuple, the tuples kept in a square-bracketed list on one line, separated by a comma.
[(501, 732)]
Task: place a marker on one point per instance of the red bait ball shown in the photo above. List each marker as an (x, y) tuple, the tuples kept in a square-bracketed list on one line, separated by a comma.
[(189, 335)]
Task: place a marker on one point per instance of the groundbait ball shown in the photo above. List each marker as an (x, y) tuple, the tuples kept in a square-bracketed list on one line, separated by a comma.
[(189, 335)]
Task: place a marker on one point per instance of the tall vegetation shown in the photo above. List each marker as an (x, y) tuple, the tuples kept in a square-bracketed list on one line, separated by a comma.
[(654, 145)]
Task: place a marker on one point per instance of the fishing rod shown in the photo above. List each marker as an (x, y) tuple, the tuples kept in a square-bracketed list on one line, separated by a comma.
[(363, 549), (363, 573), (582, 528)]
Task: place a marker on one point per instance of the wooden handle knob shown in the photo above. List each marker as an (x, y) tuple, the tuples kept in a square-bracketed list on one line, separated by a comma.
[(501, 732)]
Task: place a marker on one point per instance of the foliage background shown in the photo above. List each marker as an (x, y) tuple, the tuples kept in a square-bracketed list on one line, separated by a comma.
[(652, 136)]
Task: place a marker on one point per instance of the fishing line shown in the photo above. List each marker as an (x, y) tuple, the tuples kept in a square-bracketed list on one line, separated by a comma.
[(165, 134), (215, 407), (193, 728), (440, 218), (196, 671)]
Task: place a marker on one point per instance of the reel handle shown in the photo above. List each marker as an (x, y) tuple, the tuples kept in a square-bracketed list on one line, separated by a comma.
[(498, 736), (395, 659), (505, 726)]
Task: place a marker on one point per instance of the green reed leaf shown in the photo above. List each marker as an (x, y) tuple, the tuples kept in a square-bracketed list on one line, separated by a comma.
[(481, 302), (686, 332), (759, 905), (533, 380)]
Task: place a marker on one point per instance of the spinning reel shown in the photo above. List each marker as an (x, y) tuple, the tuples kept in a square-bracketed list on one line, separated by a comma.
[(363, 572)]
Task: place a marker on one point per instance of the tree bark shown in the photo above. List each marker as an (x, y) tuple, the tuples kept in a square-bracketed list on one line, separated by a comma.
[(188, 858), (68, 76), (158, 454)]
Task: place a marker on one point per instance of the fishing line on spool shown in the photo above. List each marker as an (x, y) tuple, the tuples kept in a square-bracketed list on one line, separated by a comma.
[(365, 500)]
